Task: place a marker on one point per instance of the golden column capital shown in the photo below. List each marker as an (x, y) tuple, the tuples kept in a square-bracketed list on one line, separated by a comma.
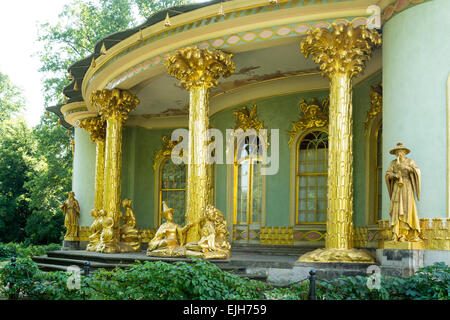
[(96, 126), (114, 103), (344, 49), (196, 67)]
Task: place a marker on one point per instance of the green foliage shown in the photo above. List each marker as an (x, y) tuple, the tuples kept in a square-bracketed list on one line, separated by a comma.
[(200, 280), (11, 99), (17, 166), (18, 278), (22, 250), (429, 283), (146, 8)]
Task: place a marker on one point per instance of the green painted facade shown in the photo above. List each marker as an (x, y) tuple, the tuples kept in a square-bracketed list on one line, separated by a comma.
[(416, 65)]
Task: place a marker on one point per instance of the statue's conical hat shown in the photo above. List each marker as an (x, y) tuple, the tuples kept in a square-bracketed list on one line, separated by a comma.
[(400, 146), (166, 209)]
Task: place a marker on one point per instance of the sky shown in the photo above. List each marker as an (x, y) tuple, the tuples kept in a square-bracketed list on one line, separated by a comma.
[(19, 20), (18, 31)]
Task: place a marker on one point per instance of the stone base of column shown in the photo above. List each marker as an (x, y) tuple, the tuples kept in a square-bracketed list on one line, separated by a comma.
[(400, 262), (333, 255)]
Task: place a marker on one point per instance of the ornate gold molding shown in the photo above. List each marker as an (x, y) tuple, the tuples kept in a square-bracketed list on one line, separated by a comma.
[(342, 50), (114, 103), (96, 126), (165, 151), (196, 67), (376, 104), (276, 236), (314, 115), (435, 233), (247, 119)]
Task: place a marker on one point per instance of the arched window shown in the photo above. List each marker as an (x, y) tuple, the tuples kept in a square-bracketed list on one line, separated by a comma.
[(172, 189), (312, 176), (248, 187)]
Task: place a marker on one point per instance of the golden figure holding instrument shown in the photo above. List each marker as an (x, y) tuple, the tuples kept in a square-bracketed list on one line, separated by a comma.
[(403, 181), (129, 235)]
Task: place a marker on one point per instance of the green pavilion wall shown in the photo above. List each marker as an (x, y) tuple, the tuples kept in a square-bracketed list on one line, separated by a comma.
[(416, 65)]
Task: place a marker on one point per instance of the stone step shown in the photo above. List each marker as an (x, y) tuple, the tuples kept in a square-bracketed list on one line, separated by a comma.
[(71, 262)]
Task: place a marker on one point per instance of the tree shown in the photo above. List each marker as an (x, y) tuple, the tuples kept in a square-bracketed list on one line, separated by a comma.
[(11, 99), (17, 165)]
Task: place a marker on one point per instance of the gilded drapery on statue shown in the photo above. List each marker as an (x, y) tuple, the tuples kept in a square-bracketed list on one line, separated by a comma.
[(403, 183), (170, 237), (71, 211)]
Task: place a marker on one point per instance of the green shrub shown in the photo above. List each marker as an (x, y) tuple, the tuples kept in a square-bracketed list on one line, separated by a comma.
[(9, 250), (429, 283), (199, 280), (18, 278)]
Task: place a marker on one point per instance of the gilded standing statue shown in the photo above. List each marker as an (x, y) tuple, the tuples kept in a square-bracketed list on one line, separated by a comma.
[(71, 210), (403, 183)]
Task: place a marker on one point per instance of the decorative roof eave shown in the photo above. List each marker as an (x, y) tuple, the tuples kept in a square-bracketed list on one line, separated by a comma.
[(79, 69)]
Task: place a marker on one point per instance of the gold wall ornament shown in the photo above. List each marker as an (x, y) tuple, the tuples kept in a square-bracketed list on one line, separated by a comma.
[(166, 150), (96, 126), (403, 183), (314, 115), (114, 106), (376, 104), (198, 70), (71, 211), (341, 54), (247, 119)]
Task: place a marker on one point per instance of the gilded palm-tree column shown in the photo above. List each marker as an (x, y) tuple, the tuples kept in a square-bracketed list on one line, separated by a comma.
[(341, 54), (96, 126), (114, 106), (198, 70)]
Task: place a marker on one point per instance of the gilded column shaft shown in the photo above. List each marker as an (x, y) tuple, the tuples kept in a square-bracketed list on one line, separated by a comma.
[(340, 165), (341, 54), (197, 177), (198, 70), (99, 174), (113, 166), (114, 106)]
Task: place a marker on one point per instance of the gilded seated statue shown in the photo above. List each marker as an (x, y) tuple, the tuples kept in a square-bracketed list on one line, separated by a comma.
[(213, 243), (129, 235), (169, 239), (96, 229)]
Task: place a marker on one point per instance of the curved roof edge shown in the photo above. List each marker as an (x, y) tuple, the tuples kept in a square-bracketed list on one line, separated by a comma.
[(79, 68)]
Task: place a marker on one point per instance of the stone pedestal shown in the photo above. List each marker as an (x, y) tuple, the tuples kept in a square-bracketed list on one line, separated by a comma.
[(70, 245), (400, 262)]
